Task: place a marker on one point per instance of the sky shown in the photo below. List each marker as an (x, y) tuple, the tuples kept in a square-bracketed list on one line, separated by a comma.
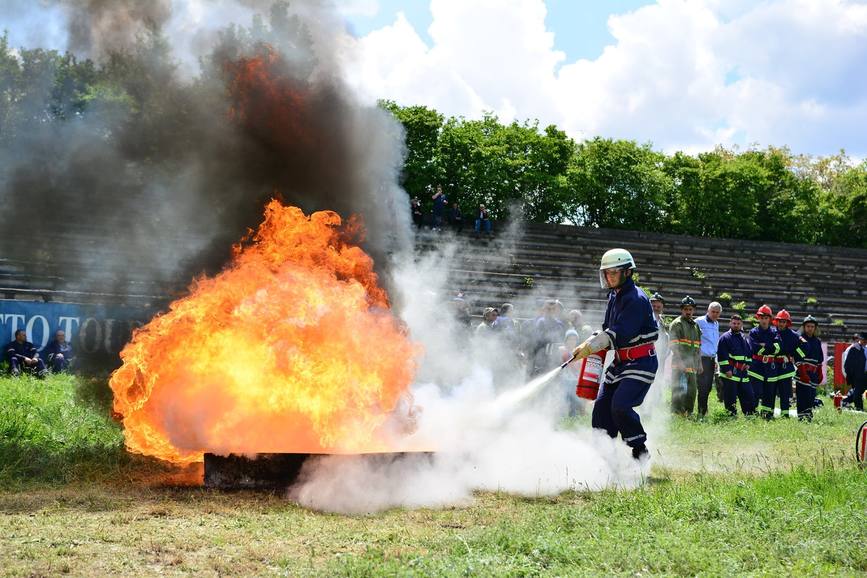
[(681, 74)]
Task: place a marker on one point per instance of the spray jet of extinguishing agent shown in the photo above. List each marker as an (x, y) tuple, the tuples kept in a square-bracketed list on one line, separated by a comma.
[(589, 379)]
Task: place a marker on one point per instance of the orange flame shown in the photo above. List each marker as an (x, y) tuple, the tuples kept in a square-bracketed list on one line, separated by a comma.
[(292, 348)]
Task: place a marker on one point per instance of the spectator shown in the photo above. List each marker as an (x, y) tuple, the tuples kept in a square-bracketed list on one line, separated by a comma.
[(417, 215), (548, 330), (439, 208), (489, 317), (658, 304), (709, 325), (456, 218), (461, 311), (505, 323), (855, 370), (21, 355), (685, 358), (575, 320), (483, 220), (58, 353)]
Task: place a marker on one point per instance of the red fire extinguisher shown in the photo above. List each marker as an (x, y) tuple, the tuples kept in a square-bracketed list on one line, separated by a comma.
[(838, 400), (590, 376)]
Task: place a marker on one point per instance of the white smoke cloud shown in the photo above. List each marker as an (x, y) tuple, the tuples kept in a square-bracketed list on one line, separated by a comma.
[(484, 437)]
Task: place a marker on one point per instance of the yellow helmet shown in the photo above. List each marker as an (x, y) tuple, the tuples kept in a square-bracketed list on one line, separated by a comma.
[(614, 259)]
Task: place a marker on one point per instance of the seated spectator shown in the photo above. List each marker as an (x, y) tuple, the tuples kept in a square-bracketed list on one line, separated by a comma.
[(21, 355), (461, 310), (456, 218), (415, 209), (489, 317), (58, 353), (483, 220)]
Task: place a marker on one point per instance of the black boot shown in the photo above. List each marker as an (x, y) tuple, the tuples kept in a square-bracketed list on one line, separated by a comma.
[(640, 452)]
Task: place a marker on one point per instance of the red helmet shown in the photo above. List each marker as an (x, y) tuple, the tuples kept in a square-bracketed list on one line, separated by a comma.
[(783, 315), (765, 310)]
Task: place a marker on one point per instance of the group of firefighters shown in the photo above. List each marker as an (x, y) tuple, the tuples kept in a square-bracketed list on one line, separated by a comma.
[(756, 368)]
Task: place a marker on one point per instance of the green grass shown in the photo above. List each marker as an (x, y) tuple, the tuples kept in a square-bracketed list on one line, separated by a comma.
[(725, 497)]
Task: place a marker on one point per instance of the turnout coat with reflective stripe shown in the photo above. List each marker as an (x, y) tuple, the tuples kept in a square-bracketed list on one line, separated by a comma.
[(629, 322), (685, 343), (733, 348), (789, 342), (810, 352), (764, 343)]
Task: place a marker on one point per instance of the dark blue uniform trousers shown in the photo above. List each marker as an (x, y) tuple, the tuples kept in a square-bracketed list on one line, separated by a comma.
[(613, 410)]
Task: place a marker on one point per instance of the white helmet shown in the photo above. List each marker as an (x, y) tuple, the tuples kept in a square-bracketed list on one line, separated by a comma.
[(614, 259)]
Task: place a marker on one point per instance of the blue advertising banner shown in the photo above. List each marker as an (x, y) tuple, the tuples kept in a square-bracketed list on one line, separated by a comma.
[(92, 329)]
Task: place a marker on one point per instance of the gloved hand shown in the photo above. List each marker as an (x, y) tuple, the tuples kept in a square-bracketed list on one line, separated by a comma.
[(596, 342), (582, 350)]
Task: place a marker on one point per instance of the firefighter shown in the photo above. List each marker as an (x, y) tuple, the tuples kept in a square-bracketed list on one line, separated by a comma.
[(685, 344), (784, 363), (764, 348), (630, 330), (734, 357), (808, 373)]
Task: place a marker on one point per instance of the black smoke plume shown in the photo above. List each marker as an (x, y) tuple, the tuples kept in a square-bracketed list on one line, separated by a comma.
[(149, 177)]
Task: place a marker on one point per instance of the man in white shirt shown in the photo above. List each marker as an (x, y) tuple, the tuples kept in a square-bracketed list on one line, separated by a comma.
[(709, 326)]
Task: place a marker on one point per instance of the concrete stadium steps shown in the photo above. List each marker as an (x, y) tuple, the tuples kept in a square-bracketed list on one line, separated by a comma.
[(560, 261)]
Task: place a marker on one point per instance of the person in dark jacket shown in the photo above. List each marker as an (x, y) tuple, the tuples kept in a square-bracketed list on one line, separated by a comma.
[(630, 330), (808, 364), (854, 369), (483, 220), (21, 355), (58, 353), (456, 218), (765, 347), (734, 357), (440, 202)]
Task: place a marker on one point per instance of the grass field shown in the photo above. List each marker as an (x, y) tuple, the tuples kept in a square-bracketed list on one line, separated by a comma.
[(724, 498)]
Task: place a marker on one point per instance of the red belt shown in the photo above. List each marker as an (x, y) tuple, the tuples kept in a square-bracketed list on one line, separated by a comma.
[(772, 358), (635, 352), (740, 366)]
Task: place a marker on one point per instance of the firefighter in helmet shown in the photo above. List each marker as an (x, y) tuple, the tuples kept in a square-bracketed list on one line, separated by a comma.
[(685, 343), (630, 330), (764, 348), (784, 369), (808, 368)]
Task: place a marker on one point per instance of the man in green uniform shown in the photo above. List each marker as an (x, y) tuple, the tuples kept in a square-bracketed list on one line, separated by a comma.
[(685, 345)]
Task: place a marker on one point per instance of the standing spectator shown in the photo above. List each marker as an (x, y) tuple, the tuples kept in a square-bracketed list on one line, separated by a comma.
[(489, 317), (22, 354), (733, 355), (658, 304), (483, 220), (548, 331), (505, 323), (764, 347), (854, 362), (58, 353), (439, 208), (685, 358), (575, 320), (709, 325), (456, 218), (417, 215), (809, 368)]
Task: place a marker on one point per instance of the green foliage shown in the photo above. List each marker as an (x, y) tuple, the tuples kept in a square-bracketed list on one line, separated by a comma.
[(810, 301), (697, 274), (757, 194), (724, 297), (740, 306)]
